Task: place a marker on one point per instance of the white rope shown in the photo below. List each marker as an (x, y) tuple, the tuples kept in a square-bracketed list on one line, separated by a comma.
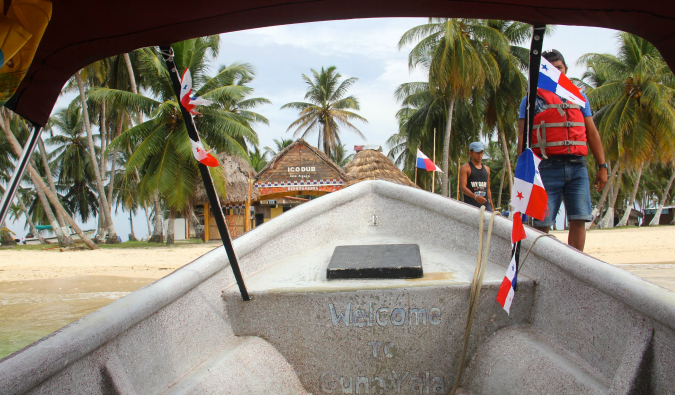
[(476, 285)]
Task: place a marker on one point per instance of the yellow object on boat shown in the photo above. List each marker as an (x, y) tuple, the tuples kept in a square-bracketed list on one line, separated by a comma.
[(21, 30)]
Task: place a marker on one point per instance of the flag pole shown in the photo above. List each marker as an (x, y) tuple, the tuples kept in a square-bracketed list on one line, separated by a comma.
[(433, 174), (416, 166), (167, 54), (535, 61)]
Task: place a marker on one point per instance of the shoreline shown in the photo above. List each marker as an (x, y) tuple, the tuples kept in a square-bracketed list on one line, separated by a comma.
[(646, 251)]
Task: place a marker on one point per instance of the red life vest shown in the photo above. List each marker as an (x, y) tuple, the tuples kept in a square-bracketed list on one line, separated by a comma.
[(559, 129)]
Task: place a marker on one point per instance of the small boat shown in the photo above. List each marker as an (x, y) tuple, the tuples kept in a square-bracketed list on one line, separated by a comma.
[(52, 239), (577, 325)]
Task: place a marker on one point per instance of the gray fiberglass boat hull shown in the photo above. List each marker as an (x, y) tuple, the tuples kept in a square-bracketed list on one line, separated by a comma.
[(577, 325)]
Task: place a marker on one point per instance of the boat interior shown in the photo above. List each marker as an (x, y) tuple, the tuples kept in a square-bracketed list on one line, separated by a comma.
[(577, 325)]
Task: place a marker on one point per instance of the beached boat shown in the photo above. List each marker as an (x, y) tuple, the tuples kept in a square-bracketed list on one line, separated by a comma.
[(577, 325), (35, 241)]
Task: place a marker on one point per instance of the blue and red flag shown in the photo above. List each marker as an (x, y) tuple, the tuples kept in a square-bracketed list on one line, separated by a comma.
[(528, 197), (553, 80), (186, 99), (423, 162)]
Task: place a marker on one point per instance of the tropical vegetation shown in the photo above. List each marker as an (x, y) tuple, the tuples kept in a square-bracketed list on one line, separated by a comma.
[(122, 143)]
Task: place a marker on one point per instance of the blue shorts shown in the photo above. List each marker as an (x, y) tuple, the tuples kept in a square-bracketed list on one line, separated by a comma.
[(568, 180)]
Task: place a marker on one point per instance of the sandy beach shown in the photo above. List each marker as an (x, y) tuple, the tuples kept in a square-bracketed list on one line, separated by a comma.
[(649, 251), (151, 263)]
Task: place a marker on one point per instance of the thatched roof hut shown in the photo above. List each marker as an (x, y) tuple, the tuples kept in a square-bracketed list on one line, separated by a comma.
[(373, 165), (236, 172), (323, 157)]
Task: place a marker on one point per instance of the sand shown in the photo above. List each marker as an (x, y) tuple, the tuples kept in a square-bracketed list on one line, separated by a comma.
[(150, 263), (647, 252)]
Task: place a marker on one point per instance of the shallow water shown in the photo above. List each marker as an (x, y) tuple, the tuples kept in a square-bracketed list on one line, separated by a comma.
[(30, 310)]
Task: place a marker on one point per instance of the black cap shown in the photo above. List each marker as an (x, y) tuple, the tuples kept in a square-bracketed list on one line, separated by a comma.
[(554, 55)]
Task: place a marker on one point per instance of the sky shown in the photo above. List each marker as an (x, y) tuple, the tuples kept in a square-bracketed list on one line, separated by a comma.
[(366, 49)]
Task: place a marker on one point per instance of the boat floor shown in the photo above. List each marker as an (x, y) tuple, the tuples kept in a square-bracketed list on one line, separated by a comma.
[(306, 272)]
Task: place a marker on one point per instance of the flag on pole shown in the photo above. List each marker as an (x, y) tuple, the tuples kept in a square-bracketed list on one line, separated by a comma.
[(423, 162), (528, 197), (552, 79), (188, 101), (508, 288), (202, 155)]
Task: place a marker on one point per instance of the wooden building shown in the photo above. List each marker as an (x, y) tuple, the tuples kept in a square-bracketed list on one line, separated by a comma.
[(236, 205), (298, 169)]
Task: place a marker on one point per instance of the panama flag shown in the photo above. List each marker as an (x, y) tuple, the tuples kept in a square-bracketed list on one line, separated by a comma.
[(186, 100), (423, 162), (552, 79), (202, 155), (508, 288), (528, 195)]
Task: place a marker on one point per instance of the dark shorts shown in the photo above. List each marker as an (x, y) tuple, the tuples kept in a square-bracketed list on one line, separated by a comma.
[(566, 180)]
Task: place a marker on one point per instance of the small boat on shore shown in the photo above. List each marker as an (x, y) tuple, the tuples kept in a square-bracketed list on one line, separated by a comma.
[(52, 239), (577, 325)]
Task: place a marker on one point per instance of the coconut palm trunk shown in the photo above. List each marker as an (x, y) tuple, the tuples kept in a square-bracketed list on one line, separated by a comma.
[(157, 236), (626, 214), (67, 240), (446, 149), (170, 227), (132, 235), (507, 159), (657, 215), (33, 229), (105, 207), (501, 188), (603, 197), (157, 233), (41, 186), (113, 164), (608, 220)]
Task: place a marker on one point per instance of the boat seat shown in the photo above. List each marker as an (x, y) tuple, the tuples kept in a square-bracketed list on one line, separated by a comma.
[(520, 360), (247, 365)]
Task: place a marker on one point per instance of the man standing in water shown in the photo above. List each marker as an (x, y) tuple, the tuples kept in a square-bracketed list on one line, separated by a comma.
[(562, 132), (474, 179)]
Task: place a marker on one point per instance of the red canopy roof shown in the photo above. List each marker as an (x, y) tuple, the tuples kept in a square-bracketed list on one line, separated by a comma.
[(82, 32)]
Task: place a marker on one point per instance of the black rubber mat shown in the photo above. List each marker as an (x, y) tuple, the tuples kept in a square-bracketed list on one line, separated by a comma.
[(376, 261)]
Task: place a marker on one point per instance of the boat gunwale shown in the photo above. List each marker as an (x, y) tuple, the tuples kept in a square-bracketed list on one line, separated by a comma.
[(75, 341)]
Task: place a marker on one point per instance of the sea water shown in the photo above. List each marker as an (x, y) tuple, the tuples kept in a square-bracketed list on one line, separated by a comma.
[(31, 310)]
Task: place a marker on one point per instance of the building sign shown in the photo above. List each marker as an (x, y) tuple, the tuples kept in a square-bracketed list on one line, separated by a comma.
[(300, 167)]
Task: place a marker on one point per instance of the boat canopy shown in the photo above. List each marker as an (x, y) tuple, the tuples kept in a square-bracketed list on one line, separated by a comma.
[(79, 35)]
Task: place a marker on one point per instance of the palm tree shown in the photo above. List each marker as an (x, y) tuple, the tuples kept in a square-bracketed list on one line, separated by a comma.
[(45, 194), (93, 71), (257, 159), (636, 115), (279, 144), (72, 161), (327, 109), (160, 147), (455, 53), (504, 98), (339, 156)]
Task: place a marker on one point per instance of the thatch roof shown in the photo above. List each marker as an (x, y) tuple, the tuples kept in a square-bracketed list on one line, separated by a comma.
[(373, 165), (236, 174), (318, 153)]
